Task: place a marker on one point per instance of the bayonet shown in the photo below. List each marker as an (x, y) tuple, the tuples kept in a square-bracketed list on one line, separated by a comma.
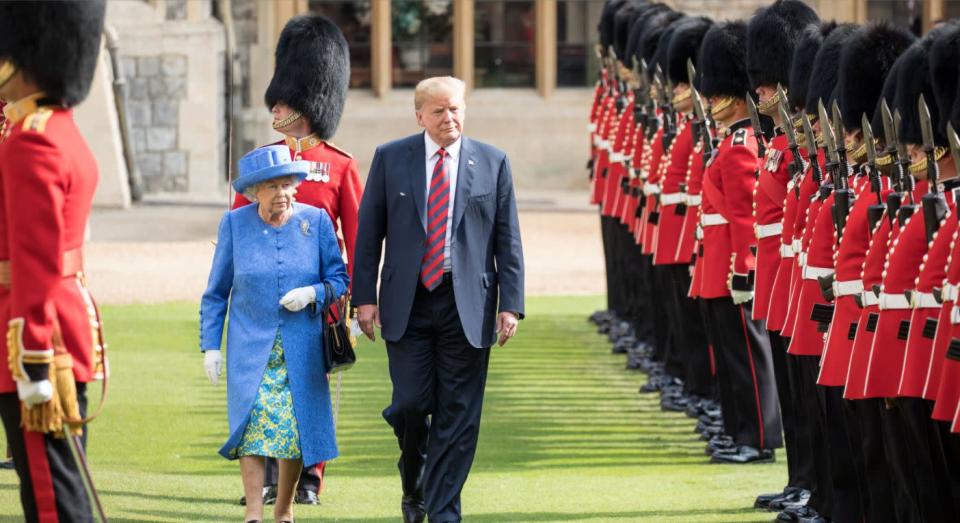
[(788, 129), (842, 196), (954, 144), (840, 143), (811, 149), (691, 72), (874, 212), (934, 205), (757, 130), (701, 113), (903, 162)]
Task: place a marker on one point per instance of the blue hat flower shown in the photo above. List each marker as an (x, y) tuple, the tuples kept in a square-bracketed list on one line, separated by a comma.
[(265, 163)]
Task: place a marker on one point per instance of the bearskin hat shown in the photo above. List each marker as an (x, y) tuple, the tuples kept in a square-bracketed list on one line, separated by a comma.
[(685, 45), (662, 54), (823, 75), (312, 72), (723, 61), (622, 23), (650, 39), (944, 57), (646, 19), (913, 80), (55, 44), (804, 54), (864, 63), (771, 36), (888, 93), (605, 26)]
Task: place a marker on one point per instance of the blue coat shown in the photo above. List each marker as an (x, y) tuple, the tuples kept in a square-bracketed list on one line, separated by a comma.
[(253, 267)]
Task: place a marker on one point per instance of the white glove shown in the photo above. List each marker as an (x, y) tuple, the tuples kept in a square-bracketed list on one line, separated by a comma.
[(299, 298), (741, 296), (34, 392), (211, 363)]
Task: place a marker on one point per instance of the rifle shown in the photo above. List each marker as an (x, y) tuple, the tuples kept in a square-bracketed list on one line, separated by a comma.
[(934, 204), (757, 130), (695, 122), (895, 200), (666, 109), (796, 166), (650, 107), (874, 212), (906, 180), (811, 149), (705, 136), (843, 196)]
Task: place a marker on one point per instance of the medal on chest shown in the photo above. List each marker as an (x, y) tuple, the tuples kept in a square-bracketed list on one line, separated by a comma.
[(774, 157), (319, 172)]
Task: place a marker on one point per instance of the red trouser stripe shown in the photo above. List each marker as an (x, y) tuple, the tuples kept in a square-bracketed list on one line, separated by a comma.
[(753, 373), (41, 481)]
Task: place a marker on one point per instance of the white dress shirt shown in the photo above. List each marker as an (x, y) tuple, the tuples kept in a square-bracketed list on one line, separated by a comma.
[(451, 164)]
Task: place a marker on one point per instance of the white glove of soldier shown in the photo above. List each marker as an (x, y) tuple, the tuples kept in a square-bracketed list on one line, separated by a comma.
[(298, 298), (34, 392), (741, 296), (211, 364)]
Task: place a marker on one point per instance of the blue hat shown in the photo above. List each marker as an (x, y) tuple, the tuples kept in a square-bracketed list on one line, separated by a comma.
[(265, 163)]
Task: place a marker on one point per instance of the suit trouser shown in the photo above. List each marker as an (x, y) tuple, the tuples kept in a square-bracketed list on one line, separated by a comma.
[(311, 478), (799, 466), (51, 488), (689, 338), (436, 373), (877, 491), (744, 362)]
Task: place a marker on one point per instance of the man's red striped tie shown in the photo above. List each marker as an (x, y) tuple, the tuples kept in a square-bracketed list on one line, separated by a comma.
[(438, 205)]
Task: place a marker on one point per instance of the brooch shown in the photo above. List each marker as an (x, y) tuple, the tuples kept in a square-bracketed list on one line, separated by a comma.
[(305, 227)]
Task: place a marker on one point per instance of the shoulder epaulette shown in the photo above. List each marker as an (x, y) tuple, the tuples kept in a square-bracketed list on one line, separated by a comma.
[(37, 120), (739, 137), (339, 150)]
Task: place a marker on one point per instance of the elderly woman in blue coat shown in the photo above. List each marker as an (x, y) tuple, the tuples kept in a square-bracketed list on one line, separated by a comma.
[(272, 262)]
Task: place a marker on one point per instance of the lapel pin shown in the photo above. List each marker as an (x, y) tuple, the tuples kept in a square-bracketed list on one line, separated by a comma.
[(402, 193), (470, 161)]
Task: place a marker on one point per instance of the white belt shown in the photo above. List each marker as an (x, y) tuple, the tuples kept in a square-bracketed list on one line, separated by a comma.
[(708, 220), (591, 127), (954, 315), (893, 301), (812, 273), (616, 157), (786, 251), (868, 298), (672, 198), (802, 258), (650, 188), (796, 245), (923, 300), (768, 230), (847, 288), (604, 144), (692, 200), (699, 232), (949, 292)]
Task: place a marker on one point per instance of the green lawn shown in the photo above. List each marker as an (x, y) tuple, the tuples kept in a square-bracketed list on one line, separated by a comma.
[(565, 435)]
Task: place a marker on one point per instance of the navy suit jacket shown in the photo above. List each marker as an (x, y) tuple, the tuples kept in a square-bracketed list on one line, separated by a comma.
[(485, 250)]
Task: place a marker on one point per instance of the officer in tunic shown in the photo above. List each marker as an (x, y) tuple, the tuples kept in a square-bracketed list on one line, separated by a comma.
[(306, 96), (48, 55)]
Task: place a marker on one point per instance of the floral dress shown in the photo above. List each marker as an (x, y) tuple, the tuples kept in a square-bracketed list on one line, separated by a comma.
[(272, 430)]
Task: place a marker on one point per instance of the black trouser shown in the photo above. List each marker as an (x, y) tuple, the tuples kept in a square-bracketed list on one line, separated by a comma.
[(311, 478), (810, 402), (927, 462), (846, 466), (798, 472), (642, 315), (50, 481), (687, 332), (655, 307), (877, 491), (436, 373), (803, 429), (607, 235), (950, 442), (666, 321), (745, 374)]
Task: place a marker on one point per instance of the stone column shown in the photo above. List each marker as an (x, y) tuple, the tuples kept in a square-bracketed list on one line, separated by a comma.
[(546, 46), (380, 48), (463, 41)]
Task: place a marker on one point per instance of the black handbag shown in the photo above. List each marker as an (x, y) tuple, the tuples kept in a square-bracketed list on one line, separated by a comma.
[(338, 344)]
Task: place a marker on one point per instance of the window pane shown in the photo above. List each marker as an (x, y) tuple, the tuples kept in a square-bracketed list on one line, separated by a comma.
[(577, 62), (951, 9), (504, 51), (353, 17), (422, 33), (902, 13)]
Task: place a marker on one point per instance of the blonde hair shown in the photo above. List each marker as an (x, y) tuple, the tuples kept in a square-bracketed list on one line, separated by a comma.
[(430, 87)]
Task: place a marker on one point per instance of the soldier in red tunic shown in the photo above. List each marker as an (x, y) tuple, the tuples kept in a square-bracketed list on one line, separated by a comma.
[(771, 39), (306, 97), (744, 365), (48, 55)]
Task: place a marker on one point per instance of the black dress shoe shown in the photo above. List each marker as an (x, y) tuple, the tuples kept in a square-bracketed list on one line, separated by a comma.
[(742, 455), (270, 495), (413, 509), (792, 500), (8, 464), (763, 501), (804, 514), (306, 497)]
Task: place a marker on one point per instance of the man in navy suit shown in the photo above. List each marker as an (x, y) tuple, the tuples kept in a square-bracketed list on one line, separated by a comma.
[(445, 206)]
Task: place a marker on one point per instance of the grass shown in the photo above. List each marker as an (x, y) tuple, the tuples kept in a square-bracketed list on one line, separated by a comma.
[(565, 436)]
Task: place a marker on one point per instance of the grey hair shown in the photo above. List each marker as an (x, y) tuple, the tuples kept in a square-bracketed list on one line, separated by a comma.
[(250, 192), (430, 87)]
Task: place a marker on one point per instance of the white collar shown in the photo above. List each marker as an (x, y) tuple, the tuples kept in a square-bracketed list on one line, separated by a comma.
[(453, 150)]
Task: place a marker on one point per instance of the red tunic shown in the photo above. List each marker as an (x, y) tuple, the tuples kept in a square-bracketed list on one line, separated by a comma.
[(948, 389), (623, 148), (644, 231), (768, 207), (637, 151), (728, 192), (668, 231), (616, 170), (333, 185), (817, 244), (808, 190), (48, 179), (694, 185), (780, 293), (943, 337), (603, 154)]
